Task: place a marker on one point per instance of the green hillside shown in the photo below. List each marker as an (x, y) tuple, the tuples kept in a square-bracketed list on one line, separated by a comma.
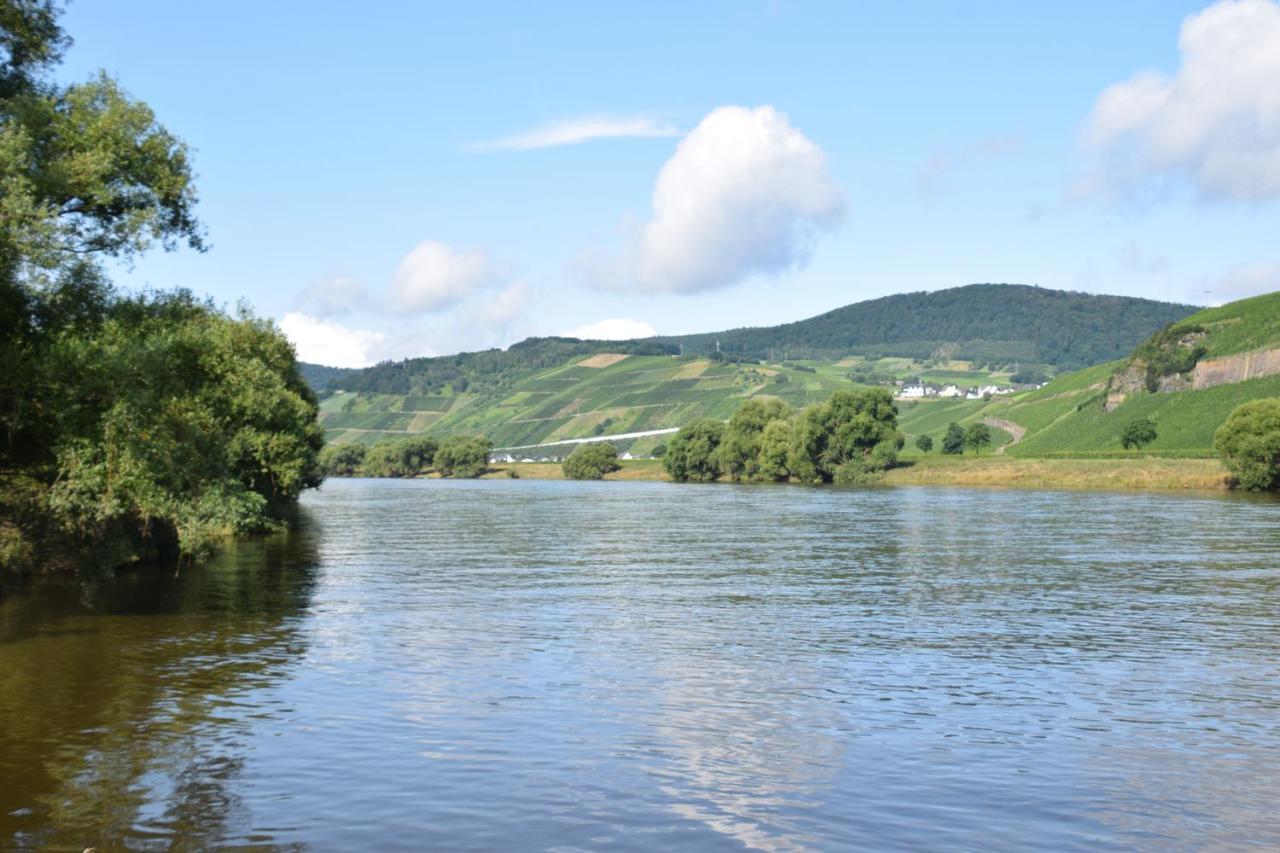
[(1070, 417), (988, 323), (614, 394)]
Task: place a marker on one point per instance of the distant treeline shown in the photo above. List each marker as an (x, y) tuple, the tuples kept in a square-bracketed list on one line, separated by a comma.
[(851, 438), (987, 323), (461, 456)]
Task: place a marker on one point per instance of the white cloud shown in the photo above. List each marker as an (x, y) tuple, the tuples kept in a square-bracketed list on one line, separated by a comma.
[(1216, 121), (332, 297), (578, 130), (612, 329), (433, 277), (745, 193), (325, 342)]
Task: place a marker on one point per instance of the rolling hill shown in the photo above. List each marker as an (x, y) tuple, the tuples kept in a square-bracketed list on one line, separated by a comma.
[(1186, 378)]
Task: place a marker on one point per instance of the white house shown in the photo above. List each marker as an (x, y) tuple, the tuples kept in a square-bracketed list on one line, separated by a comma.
[(950, 391), (913, 392)]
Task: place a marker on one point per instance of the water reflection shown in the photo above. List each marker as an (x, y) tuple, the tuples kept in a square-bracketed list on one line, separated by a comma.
[(557, 665), (117, 698)]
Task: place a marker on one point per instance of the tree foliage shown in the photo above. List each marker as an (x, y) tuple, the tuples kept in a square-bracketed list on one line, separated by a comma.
[(136, 425), (977, 437), (953, 440), (924, 443), (342, 460), (1249, 444), (852, 435), (463, 456), (693, 454), (740, 456), (591, 461), (1138, 434)]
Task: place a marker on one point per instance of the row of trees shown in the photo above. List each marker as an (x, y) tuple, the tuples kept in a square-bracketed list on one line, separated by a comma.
[(848, 439), (130, 426), (460, 456)]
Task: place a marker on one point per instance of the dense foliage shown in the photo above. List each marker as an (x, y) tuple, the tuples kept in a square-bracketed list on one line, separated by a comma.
[(1249, 444), (1138, 434), (1172, 350), (848, 439), (987, 323), (591, 461), (462, 456), (693, 454), (977, 437), (128, 426), (953, 440), (924, 443)]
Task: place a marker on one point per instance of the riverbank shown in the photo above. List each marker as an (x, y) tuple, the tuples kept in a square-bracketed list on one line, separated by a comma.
[(1140, 473)]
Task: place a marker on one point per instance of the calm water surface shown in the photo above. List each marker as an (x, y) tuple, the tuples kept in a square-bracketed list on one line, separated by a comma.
[(525, 665)]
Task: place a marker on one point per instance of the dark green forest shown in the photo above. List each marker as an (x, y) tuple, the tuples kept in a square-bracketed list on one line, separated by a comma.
[(131, 426), (986, 323)]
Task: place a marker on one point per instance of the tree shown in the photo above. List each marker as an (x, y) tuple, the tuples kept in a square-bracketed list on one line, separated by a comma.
[(342, 460), (591, 461), (925, 443), (775, 446), (463, 456), (408, 457), (857, 429), (1138, 434), (1249, 444), (693, 453), (977, 437), (740, 447), (954, 439)]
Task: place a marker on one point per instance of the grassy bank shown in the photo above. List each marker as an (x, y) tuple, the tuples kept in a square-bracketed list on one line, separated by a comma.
[(1140, 473)]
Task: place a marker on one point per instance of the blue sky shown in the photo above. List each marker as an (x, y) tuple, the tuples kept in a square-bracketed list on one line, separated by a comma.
[(402, 179)]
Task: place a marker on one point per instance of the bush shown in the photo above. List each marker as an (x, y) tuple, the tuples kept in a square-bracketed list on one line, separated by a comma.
[(925, 443), (953, 441), (693, 452), (342, 460), (463, 456), (848, 427), (1249, 444), (740, 445), (1138, 434), (591, 461)]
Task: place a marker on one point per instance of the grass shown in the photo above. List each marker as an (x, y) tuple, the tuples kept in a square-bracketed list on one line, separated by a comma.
[(1134, 473), (1240, 326)]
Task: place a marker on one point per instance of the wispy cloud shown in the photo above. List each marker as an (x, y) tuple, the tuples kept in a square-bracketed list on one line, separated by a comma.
[(575, 131)]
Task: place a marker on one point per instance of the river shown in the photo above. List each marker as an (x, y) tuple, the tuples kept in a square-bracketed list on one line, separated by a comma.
[(497, 665)]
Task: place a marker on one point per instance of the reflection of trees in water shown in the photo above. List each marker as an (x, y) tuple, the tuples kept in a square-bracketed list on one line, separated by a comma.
[(120, 701)]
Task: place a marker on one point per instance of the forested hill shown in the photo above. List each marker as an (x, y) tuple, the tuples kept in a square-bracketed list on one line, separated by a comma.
[(998, 323), (991, 324)]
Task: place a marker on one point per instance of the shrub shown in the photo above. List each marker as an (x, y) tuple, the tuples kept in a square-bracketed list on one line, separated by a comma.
[(953, 441), (1138, 434), (464, 456), (925, 443), (342, 460), (1249, 444), (693, 452), (591, 461)]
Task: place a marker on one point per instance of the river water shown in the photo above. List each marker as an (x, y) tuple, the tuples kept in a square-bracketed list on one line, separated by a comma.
[(504, 665)]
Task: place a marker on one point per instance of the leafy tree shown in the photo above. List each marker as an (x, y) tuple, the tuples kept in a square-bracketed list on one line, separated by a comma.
[(775, 447), (924, 443), (660, 451), (463, 456), (954, 440), (740, 447), (845, 429), (1249, 444), (591, 461), (342, 460), (693, 454), (1138, 434), (406, 457), (977, 437)]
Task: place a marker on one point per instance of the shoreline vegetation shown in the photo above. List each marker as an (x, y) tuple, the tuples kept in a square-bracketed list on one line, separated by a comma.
[(1142, 473)]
